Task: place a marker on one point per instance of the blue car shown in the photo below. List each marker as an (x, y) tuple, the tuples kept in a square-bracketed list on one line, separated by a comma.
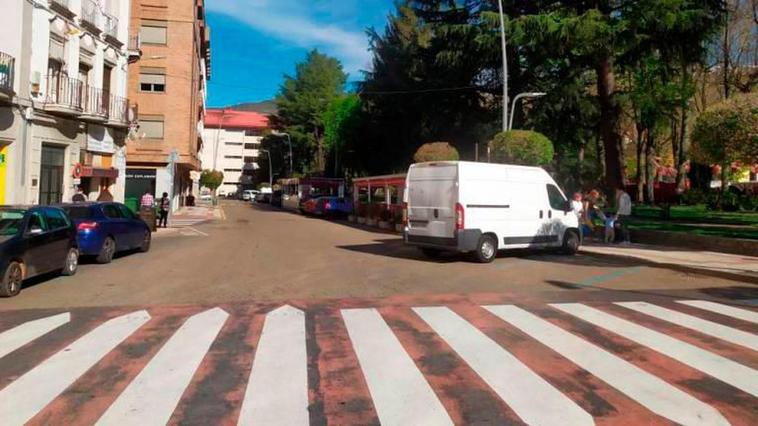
[(105, 229)]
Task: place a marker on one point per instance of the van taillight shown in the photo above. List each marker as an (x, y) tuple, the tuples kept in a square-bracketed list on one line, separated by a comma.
[(86, 226), (460, 220), (405, 214)]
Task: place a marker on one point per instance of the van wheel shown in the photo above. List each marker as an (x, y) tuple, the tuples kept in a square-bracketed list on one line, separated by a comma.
[(12, 280), (431, 253), (486, 249), (571, 243)]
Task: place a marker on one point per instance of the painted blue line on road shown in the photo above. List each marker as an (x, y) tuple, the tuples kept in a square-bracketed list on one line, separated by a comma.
[(599, 279)]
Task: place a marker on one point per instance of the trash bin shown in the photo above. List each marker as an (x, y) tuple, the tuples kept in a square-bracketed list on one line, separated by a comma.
[(132, 203), (148, 215)]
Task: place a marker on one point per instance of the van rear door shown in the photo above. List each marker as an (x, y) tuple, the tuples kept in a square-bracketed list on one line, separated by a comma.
[(431, 196)]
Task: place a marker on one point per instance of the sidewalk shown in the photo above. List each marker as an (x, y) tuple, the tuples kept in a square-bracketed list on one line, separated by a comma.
[(188, 216), (733, 265)]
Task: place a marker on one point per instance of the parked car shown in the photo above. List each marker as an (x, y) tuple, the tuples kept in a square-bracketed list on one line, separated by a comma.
[(276, 198), (34, 241), (481, 208), (247, 195), (105, 229), (330, 206)]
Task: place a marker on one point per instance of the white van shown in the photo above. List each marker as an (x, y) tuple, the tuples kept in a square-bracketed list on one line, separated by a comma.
[(481, 208)]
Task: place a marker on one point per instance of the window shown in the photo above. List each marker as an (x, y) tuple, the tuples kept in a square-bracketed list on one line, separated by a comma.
[(125, 212), (79, 212), (152, 127), (250, 146), (10, 222), (253, 132), (249, 160), (36, 223), (557, 202), (153, 32), (232, 170), (233, 143), (111, 211), (155, 83), (233, 157), (56, 219)]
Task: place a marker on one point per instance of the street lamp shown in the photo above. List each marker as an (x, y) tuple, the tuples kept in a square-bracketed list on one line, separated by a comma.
[(520, 96), (289, 142), (505, 65), (270, 168)]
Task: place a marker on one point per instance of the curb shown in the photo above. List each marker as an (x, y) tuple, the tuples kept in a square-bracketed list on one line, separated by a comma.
[(678, 267)]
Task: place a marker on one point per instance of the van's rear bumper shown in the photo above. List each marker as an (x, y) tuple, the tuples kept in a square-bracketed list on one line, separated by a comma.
[(462, 241)]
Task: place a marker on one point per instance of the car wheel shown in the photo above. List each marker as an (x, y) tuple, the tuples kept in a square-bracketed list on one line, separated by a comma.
[(571, 243), (486, 249), (72, 262), (12, 280), (146, 239), (107, 251)]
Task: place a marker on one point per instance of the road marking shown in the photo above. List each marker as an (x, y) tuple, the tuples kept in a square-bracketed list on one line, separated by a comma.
[(277, 390), (26, 396), (650, 391), (599, 279), (22, 334), (401, 394), (151, 397), (729, 334), (726, 370), (533, 399), (722, 309)]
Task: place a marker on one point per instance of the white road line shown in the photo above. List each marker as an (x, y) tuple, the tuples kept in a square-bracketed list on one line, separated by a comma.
[(730, 311), (533, 399), (22, 334), (726, 370), (26, 396), (151, 397), (729, 334), (401, 394), (650, 391), (277, 390)]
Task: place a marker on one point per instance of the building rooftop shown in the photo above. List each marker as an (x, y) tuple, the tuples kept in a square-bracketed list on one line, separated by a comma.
[(228, 118)]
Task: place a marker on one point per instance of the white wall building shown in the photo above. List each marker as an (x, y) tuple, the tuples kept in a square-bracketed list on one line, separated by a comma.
[(232, 145), (64, 122)]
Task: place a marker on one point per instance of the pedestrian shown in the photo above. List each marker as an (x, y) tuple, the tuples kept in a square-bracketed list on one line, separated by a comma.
[(147, 201), (577, 206), (623, 212), (105, 195), (79, 197), (164, 206)]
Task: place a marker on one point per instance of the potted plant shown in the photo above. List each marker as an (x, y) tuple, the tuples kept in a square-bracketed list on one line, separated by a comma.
[(362, 212), (385, 215), (373, 214)]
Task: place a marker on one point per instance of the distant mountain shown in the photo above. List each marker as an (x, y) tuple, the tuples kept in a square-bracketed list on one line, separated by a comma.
[(264, 107)]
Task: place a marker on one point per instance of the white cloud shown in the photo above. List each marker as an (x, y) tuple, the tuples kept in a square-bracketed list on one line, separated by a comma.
[(289, 20)]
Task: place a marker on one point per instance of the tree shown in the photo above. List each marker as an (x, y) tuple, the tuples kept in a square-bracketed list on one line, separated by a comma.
[(728, 133), (436, 151), (301, 103), (211, 179), (341, 121), (523, 147)]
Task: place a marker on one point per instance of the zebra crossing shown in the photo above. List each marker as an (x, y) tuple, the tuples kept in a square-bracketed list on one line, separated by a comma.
[(691, 362)]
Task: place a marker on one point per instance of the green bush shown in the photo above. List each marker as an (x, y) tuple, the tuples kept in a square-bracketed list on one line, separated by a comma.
[(524, 147), (730, 202), (693, 197), (436, 151), (748, 202)]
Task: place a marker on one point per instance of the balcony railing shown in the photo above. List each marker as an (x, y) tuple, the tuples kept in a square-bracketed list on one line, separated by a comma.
[(118, 110), (7, 69), (135, 43), (111, 25), (91, 13), (96, 102), (65, 92)]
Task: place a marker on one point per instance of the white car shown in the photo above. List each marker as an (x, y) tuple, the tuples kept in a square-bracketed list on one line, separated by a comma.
[(248, 195), (481, 208)]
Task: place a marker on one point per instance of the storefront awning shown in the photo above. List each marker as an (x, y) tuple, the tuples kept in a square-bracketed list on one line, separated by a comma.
[(110, 172)]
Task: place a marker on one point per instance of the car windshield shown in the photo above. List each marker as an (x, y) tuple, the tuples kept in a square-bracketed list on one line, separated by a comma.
[(78, 212), (10, 222)]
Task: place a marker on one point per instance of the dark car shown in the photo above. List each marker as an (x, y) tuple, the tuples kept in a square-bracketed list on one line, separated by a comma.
[(34, 241), (328, 206), (105, 229)]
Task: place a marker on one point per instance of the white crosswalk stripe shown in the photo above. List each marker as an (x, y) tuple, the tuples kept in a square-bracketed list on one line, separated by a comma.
[(722, 309), (30, 393), (513, 381), (151, 397), (21, 335), (728, 371), (641, 386), (277, 390), (729, 334), (400, 392)]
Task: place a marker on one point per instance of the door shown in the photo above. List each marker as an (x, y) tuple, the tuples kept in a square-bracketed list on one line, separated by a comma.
[(432, 195), (117, 226), (35, 245), (528, 215), (135, 226), (58, 240), (51, 174)]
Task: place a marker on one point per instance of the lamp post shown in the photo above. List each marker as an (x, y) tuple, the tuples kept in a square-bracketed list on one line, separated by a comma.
[(505, 65), (520, 96), (270, 168), (218, 130), (289, 142)]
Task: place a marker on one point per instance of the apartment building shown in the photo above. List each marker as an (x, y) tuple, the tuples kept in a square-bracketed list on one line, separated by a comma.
[(169, 84), (64, 114), (233, 140)]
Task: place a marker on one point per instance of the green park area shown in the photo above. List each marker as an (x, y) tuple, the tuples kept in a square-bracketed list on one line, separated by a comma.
[(697, 220)]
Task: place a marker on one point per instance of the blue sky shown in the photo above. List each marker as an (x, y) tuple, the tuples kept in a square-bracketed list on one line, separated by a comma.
[(255, 42)]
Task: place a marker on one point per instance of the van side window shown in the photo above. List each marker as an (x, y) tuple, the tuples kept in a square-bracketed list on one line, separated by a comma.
[(557, 202)]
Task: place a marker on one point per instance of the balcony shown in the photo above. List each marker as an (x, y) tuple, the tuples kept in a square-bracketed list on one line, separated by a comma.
[(91, 17), (118, 111), (134, 49), (7, 71), (95, 105), (62, 7), (63, 95), (111, 29)]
